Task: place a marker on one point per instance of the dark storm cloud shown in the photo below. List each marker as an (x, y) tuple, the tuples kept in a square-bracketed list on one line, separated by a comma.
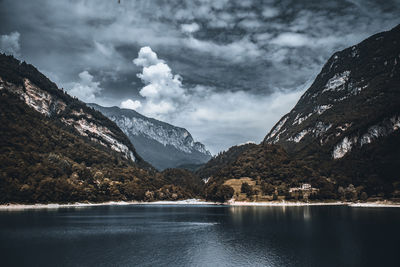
[(258, 54)]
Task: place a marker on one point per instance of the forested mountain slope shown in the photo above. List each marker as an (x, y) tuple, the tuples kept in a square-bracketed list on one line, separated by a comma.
[(53, 148)]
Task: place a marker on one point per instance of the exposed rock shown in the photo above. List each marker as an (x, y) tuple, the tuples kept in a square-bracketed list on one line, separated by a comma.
[(160, 143)]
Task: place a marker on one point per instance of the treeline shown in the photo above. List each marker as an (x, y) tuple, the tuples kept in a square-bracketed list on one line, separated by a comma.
[(223, 159), (275, 172), (42, 160)]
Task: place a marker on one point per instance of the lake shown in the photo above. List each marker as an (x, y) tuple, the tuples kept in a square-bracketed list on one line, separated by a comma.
[(179, 235)]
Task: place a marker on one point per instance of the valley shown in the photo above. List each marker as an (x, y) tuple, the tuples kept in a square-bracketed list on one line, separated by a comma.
[(339, 143)]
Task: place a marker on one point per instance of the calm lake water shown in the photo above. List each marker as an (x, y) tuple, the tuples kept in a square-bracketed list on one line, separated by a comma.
[(148, 235)]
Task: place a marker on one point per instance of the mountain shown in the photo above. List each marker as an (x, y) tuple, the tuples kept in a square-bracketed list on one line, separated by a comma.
[(54, 148), (343, 134), (340, 141), (222, 160), (160, 143), (350, 116), (39, 93), (353, 102)]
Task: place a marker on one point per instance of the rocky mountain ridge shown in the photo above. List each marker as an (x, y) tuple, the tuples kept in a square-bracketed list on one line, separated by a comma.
[(352, 102), (160, 143), (43, 96)]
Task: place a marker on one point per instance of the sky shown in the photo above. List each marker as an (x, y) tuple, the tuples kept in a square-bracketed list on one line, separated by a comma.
[(224, 70)]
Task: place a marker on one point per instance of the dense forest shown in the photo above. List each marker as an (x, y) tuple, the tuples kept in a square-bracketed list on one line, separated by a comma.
[(42, 160), (357, 177)]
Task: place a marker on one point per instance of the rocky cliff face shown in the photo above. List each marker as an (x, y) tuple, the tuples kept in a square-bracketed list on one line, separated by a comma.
[(161, 144), (36, 91), (354, 101)]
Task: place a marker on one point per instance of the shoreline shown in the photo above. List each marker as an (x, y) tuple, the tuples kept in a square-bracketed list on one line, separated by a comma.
[(199, 202), (378, 204)]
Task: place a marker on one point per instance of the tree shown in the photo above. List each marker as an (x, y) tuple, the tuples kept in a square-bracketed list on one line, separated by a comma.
[(267, 188), (327, 191), (364, 196), (247, 189), (224, 193), (283, 190), (351, 193), (341, 192)]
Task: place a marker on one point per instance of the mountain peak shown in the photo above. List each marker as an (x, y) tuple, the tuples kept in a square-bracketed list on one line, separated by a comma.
[(353, 101), (162, 144)]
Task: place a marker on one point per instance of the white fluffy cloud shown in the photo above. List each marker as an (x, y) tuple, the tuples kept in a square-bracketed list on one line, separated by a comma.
[(220, 118), (146, 57), (292, 39), (131, 104), (163, 91), (190, 28), (9, 43), (86, 89), (250, 24), (238, 51)]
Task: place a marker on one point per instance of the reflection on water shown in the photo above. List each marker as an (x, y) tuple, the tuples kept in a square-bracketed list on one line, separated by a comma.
[(239, 213), (201, 236)]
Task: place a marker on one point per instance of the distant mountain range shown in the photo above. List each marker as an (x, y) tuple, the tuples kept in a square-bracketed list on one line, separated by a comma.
[(160, 143)]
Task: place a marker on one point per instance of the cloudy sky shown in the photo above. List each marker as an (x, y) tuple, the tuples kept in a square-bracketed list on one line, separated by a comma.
[(224, 70)]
